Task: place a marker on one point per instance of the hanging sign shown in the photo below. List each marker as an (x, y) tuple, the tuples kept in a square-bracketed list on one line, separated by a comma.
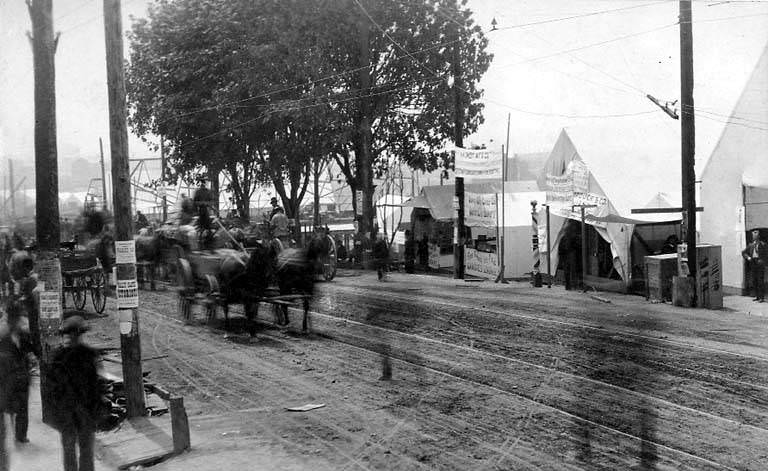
[(359, 202), (480, 163), (127, 294), (482, 264), (480, 210), (125, 251)]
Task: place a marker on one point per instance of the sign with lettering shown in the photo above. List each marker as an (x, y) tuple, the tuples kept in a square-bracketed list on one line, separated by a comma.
[(125, 251), (480, 210), (127, 294), (50, 305), (434, 256), (480, 163), (483, 264)]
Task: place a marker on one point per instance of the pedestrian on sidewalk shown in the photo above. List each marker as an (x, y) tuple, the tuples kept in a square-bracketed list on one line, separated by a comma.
[(75, 395), (381, 255), (756, 254), (410, 252), (16, 350)]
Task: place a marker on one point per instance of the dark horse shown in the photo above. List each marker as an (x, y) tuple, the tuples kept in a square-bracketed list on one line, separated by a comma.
[(247, 279)]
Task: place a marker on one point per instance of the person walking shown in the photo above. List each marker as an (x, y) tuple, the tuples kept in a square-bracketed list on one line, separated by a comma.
[(16, 348), (423, 252), (410, 252), (75, 395), (381, 255), (756, 254)]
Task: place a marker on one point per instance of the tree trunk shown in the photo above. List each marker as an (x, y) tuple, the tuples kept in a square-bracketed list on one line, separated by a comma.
[(213, 177)]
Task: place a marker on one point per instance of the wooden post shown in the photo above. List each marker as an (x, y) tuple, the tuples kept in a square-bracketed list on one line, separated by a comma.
[(46, 181), (179, 425), (458, 246), (162, 179), (127, 301), (549, 251), (103, 178), (583, 251), (688, 132)]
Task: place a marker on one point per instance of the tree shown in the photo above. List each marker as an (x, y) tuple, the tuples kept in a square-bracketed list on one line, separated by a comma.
[(411, 60)]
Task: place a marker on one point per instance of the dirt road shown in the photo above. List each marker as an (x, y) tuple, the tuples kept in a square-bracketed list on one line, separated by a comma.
[(484, 377)]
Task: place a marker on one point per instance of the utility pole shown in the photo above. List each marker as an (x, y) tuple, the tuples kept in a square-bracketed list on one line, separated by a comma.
[(47, 264), (688, 133), (13, 190), (103, 178), (162, 179), (458, 246), (363, 159), (125, 249)]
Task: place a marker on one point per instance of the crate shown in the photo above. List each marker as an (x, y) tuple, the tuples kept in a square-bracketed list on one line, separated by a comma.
[(659, 270)]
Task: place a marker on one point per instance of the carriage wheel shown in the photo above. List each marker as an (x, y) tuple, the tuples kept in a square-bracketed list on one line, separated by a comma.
[(329, 267), (98, 291), (78, 292)]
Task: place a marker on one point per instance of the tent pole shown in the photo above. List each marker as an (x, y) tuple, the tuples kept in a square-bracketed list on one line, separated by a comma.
[(549, 251)]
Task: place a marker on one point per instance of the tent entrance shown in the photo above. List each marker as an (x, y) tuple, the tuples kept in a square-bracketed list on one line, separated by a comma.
[(599, 259)]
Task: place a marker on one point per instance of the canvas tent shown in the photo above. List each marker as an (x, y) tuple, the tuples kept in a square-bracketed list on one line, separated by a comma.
[(734, 183), (613, 170)]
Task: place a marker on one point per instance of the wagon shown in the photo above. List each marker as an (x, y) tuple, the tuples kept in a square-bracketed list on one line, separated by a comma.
[(198, 284), (82, 273)]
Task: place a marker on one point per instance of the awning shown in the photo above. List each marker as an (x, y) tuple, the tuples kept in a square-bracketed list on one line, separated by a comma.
[(419, 201)]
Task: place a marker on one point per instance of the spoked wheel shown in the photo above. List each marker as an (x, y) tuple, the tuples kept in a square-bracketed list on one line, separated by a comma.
[(78, 292), (329, 265), (98, 291)]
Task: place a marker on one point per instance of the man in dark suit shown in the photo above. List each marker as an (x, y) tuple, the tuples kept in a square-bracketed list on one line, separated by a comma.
[(756, 254)]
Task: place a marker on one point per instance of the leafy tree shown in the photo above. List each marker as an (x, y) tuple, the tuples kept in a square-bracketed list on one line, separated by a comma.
[(416, 68)]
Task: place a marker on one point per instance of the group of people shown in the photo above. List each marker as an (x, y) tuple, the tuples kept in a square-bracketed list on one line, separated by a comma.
[(73, 389)]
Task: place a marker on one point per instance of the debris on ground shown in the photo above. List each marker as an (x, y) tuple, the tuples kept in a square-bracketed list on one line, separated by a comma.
[(304, 408)]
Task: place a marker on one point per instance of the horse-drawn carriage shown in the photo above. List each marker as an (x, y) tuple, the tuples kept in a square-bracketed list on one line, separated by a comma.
[(262, 272), (82, 273)]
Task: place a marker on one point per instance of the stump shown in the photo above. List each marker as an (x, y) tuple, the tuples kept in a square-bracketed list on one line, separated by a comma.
[(682, 291)]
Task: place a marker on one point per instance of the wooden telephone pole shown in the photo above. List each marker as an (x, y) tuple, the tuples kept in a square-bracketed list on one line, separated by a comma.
[(127, 287), (688, 134), (458, 246), (47, 264)]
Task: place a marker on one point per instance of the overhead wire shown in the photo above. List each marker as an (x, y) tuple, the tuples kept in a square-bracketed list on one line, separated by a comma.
[(396, 44)]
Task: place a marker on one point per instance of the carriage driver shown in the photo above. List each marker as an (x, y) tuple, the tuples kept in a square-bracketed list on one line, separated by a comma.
[(279, 226)]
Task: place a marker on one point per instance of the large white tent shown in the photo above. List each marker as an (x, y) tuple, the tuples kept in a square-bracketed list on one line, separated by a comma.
[(734, 183), (616, 168)]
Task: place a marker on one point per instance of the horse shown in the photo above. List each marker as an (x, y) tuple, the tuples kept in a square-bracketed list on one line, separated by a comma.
[(246, 278)]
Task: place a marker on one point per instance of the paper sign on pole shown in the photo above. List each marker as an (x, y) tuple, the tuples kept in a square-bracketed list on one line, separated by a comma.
[(50, 305), (125, 251), (127, 294), (125, 317)]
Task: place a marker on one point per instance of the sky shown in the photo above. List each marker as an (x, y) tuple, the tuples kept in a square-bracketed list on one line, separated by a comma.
[(557, 63)]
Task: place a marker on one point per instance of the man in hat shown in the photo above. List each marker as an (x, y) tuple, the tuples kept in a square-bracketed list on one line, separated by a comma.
[(275, 207), (279, 224), (756, 254), (75, 395)]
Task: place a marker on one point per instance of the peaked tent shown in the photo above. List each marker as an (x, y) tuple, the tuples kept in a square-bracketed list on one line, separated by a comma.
[(734, 183), (616, 169)]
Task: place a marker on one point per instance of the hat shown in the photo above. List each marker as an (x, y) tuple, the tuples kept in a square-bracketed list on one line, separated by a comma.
[(73, 324), (273, 200)]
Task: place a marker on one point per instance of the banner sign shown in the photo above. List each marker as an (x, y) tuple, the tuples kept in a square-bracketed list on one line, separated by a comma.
[(480, 209), (483, 264), (572, 189), (480, 163)]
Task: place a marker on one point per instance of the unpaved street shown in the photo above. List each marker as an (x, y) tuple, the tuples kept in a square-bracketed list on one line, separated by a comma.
[(484, 376)]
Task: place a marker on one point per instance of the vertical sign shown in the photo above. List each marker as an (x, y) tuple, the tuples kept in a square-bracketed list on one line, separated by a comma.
[(358, 202)]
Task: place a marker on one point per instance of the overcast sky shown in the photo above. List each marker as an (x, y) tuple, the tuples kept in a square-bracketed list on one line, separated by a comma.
[(548, 72)]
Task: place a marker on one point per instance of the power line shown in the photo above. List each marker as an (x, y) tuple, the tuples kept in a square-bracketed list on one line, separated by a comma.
[(395, 43), (583, 15)]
